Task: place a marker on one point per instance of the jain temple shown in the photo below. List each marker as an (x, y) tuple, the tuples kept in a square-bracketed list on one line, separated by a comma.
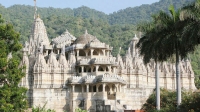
[(68, 73)]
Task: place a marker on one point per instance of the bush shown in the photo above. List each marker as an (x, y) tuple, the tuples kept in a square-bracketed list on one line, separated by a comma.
[(80, 110), (42, 109), (190, 102), (167, 102)]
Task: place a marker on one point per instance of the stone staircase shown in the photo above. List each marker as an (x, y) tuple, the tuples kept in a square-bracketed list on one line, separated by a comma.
[(116, 105)]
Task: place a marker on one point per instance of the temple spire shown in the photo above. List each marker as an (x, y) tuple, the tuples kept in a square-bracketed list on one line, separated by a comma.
[(119, 50), (35, 15), (86, 31)]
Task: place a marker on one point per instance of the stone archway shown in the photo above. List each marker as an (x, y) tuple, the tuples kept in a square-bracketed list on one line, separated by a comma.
[(82, 53), (100, 88), (95, 52), (100, 68)]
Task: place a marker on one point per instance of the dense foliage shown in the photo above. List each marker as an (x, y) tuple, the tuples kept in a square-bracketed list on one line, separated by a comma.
[(12, 97), (195, 61), (79, 110), (190, 102), (167, 103), (142, 13)]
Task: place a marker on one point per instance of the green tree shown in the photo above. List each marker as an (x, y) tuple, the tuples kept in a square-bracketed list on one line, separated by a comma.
[(151, 48), (12, 97), (168, 102), (169, 30), (191, 35), (190, 102)]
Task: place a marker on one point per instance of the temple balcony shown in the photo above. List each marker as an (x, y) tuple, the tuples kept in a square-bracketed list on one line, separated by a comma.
[(97, 60), (108, 60), (75, 79), (111, 78), (85, 61)]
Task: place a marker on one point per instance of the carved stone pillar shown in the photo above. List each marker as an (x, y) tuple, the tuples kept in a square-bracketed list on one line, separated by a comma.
[(46, 53), (109, 68), (86, 53), (73, 87), (104, 87), (114, 69), (103, 52), (120, 87), (82, 69), (82, 88), (116, 87), (58, 51), (87, 88), (77, 52), (91, 52), (108, 54), (97, 67)]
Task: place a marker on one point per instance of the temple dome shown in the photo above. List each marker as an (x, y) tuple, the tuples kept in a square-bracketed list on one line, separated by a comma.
[(86, 38)]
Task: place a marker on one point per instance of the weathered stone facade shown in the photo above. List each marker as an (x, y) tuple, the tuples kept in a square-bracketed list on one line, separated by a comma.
[(67, 73)]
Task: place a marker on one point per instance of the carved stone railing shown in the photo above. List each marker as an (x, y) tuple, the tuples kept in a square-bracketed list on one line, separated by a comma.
[(75, 79), (89, 79), (109, 60), (110, 78), (84, 61)]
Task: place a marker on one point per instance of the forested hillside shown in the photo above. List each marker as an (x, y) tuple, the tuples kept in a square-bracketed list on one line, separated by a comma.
[(143, 12), (22, 16), (116, 29)]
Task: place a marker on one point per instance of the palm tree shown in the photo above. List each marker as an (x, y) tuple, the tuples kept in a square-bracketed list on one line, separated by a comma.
[(191, 33), (150, 51), (166, 40)]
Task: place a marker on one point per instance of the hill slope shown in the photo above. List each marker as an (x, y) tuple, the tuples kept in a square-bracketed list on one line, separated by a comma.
[(143, 13)]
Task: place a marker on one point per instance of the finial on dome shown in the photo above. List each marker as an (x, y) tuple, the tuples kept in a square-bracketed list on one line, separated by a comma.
[(35, 10)]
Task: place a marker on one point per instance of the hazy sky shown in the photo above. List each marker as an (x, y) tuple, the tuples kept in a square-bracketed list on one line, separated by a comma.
[(107, 6)]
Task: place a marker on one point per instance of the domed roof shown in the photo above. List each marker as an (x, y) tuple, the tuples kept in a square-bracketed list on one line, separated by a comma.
[(86, 38)]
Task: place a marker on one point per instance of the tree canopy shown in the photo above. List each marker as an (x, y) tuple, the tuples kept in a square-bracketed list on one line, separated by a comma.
[(12, 97), (190, 103)]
